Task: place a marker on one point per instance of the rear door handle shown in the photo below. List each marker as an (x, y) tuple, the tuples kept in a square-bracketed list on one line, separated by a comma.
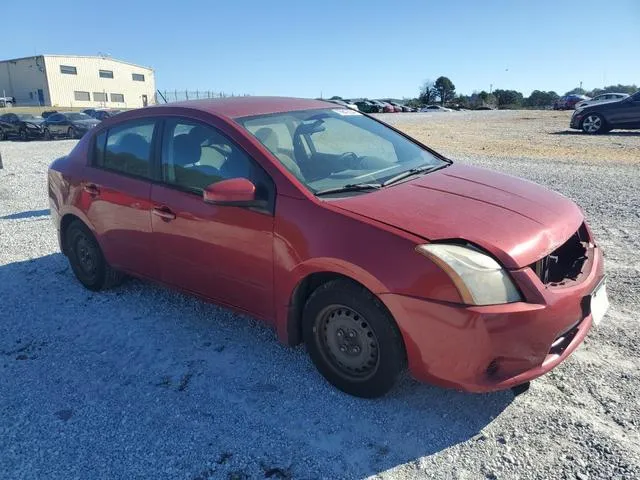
[(91, 189), (164, 213)]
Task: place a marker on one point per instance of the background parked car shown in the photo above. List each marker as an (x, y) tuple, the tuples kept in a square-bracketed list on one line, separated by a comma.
[(22, 125), (106, 113), (68, 124), (368, 106), (568, 102), (605, 116), (7, 102), (48, 113), (605, 97), (386, 107), (435, 108)]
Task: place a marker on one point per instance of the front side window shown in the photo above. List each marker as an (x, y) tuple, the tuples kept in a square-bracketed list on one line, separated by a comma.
[(81, 96), (117, 97), (68, 70), (195, 155), (126, 148), (105, 73), (333, 148)]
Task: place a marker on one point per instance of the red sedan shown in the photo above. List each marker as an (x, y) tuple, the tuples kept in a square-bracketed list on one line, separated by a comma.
[(340, 231)]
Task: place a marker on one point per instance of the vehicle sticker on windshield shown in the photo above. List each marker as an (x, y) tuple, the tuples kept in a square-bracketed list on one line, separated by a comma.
[(345, 111)]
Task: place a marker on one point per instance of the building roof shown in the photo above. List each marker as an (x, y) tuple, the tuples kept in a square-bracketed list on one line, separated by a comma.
[(236, 107), (96, 57)]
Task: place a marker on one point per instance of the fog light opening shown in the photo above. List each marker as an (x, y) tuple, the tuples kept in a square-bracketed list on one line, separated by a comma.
[(492, 368)]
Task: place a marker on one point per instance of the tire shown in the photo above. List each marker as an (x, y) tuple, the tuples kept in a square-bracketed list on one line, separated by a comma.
[(71, 132), (593, 124), (86, 259), (47, 134), (352, 340), (3, 135), (23, 135)]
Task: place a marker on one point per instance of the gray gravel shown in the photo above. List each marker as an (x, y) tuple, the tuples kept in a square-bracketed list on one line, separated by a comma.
[(143, 382)]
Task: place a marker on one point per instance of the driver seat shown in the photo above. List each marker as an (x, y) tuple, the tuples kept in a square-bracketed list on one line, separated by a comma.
[(269, 138)]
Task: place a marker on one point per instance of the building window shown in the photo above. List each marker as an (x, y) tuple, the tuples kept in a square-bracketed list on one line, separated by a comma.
[(137, 77), (82, 96), (68, 70), (105, 73), (117, 97), (99, 97)]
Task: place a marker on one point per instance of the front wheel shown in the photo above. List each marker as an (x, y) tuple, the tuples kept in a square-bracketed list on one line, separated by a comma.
[(47, 134), (352, 340), (593, 123), (3, 135), (71, 133), (23, 135), (86, 258)]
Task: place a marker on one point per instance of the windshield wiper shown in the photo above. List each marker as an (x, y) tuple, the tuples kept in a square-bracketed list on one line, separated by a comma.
[(413, 171), (350, 187)]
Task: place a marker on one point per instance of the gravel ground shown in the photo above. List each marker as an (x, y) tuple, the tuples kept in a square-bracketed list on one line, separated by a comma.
[(142, 382)]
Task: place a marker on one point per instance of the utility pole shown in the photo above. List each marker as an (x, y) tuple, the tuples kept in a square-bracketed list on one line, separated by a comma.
[(490, 88), (580, 84)]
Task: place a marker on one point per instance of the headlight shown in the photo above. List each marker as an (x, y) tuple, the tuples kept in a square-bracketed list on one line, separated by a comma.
[(478, 277)]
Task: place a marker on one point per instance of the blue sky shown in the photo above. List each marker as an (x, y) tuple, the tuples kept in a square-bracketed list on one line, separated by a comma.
[(363, 48)]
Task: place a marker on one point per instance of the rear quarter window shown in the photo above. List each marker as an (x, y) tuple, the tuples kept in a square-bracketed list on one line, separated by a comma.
[(126, 148)]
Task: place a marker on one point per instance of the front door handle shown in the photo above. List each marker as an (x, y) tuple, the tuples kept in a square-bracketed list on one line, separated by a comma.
[(164, 213), (92, 189)]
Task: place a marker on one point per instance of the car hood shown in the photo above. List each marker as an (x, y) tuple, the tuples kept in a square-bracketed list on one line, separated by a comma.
[(517, 221)]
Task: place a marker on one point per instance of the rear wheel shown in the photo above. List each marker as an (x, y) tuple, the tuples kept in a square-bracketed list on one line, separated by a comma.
[(352, 339), (86, 258), (593, 123)]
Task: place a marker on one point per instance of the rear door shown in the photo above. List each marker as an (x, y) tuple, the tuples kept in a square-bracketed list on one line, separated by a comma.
[(224, 253), (117, 195)]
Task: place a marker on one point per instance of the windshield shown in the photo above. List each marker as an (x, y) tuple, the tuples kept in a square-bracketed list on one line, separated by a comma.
[(78, 116), (327, 149), (27, 116)]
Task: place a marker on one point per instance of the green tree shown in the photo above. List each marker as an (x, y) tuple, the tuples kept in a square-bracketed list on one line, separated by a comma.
[(428, 93), (576, 91), (446, 89), (508, 98), (540, 99)]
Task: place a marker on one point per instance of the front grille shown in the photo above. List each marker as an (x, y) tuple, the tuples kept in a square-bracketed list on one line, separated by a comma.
[(566, 262)]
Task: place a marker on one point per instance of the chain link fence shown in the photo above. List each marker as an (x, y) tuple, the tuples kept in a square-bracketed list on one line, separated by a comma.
[(169, 96)]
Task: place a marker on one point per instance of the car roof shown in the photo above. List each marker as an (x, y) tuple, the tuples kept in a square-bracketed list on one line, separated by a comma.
[(236, 107)]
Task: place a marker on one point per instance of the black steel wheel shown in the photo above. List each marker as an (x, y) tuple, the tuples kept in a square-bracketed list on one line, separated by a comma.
[(352, 339), (86, 258)]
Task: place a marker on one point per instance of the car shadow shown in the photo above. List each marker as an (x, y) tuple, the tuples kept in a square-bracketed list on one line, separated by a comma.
[(27, 214), (610, 134), (140, 361)]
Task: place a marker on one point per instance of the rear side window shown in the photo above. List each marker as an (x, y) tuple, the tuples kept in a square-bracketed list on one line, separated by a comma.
[(126, 148)]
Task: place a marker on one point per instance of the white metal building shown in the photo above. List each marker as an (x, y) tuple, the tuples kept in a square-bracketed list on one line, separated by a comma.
[(76, 81)]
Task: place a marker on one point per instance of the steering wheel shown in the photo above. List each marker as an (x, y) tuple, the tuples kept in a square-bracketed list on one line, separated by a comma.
[(351, 159)]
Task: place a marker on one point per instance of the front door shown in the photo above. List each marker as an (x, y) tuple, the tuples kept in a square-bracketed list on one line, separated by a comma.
[(116, 196), (223, 253), (625, 113)]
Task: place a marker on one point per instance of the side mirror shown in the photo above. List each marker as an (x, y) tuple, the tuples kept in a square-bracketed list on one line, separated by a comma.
[(238, 192)]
